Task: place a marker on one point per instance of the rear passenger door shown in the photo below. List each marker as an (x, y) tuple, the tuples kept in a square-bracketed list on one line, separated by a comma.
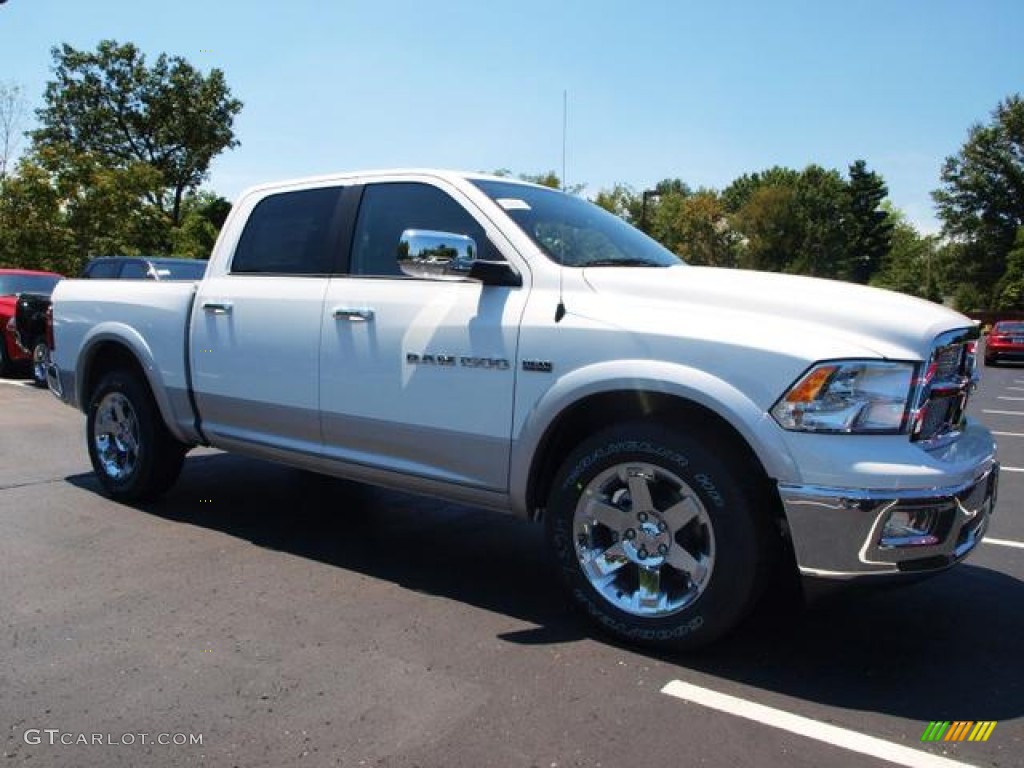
[(418, 376), (255, 341)]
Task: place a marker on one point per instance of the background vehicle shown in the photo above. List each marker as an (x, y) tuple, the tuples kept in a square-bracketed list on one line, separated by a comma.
[(144, 268), (32, 332), (14, 355), (680, 430), (1005, 342)]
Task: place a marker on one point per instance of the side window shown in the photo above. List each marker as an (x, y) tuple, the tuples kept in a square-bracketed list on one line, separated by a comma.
[(102, 269), (387, 209), (134, 270), (289, 233)]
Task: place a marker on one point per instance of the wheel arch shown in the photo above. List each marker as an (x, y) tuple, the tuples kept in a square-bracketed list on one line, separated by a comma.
[(109, 349), (691, 401)]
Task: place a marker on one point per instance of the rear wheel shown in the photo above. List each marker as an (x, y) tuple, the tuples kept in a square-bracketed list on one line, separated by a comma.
[(40, 360), (133, 454), (990, 360), (656, 536)]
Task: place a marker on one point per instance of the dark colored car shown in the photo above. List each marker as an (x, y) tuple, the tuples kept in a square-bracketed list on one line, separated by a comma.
[(1005, 342), (14, 352), (32, 331), (144, 268)]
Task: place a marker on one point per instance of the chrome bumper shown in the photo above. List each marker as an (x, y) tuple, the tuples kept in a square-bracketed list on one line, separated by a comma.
[(840, 533)]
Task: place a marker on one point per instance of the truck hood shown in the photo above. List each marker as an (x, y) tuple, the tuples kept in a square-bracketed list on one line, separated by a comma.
[(885, 323)]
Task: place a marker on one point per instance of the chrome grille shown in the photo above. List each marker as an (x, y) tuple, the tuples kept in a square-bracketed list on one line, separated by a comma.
[(945, 386)]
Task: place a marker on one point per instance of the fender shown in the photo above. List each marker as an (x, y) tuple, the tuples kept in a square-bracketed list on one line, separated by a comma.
[(753, 424), (129, 338)]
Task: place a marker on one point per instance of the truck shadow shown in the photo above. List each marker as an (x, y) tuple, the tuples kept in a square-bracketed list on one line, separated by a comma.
[(945, 648)]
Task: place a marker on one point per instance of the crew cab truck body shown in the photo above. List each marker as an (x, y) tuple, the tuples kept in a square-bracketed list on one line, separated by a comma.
[(492, 342)]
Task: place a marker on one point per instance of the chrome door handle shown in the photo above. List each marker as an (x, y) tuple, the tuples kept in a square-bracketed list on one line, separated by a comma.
[(353, 315), (217, 307)]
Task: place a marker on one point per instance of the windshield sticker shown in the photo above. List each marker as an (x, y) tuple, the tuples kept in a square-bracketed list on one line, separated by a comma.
[(513, 204)]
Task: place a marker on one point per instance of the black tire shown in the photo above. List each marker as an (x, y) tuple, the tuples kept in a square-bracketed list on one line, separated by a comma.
[(40, 359), (990, 361), (707, 570), (133, 454), (6, 365)]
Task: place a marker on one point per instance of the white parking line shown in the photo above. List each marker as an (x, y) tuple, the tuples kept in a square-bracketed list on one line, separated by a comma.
[(1011, 469), (1008, 434), (1005, 543), (812, 729), (1005, 397), (1016, 389), (1004, 413)]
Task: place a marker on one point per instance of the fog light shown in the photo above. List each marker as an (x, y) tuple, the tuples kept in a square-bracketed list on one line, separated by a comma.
[(910, 528)]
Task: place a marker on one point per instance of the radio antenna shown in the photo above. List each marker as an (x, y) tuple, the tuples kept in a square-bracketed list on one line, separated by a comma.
[(560, 309)]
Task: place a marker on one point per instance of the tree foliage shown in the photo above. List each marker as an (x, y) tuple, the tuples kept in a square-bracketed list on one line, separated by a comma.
[(110, 106), (870, 226), (116, 164), (981, 197), (913, 264)]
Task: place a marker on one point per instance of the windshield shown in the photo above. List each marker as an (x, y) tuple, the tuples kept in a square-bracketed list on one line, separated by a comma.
[(12, 284), (179, 269), (574, 232)]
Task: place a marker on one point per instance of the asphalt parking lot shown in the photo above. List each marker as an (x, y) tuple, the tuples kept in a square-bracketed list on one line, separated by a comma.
[(285, 619)]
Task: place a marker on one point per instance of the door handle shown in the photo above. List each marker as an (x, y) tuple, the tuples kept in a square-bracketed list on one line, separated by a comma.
[(353, 315), (217, 307)]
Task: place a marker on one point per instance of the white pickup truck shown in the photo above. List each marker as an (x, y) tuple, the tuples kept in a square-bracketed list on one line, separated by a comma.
[(505, 345)]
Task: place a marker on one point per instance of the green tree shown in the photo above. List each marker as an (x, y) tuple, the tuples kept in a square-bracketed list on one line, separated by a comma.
[(912, 264), (621, 200), (821, 203), (34, 233), (869, 226), (981, 197), (204, 215), (110, 106), (768, 228), (1009, 293), (738, 194), (695, 227)]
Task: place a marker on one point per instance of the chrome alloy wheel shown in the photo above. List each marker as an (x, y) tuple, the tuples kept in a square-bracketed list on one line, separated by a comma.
[(644, 540), (115, 435)]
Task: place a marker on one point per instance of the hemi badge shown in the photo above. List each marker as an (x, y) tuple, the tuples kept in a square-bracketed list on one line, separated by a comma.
[(538, 366)]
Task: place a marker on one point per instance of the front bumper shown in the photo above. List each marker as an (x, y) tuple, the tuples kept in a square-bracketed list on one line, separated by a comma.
[(839, 533)]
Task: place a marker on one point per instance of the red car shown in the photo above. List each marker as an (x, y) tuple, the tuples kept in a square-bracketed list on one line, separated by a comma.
[(1005, 341), (13, 282)]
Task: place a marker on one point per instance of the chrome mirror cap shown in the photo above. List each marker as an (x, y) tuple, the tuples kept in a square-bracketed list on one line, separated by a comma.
[(433, 255)]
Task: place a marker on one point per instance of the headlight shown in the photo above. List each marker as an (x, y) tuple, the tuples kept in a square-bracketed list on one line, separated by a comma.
[(852, 396)]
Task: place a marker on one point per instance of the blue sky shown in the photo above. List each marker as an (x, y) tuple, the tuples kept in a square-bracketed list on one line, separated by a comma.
[(703, 91)]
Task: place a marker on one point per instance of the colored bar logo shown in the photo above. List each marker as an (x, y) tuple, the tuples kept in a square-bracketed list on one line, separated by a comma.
[(958, 730)]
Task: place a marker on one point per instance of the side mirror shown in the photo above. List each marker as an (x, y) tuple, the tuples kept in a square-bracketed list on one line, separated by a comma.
[(433, 255)]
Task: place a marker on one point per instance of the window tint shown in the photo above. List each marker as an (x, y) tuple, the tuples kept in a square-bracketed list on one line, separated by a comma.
[(102, 269), (389, 209), (289, 233), (135, 270)]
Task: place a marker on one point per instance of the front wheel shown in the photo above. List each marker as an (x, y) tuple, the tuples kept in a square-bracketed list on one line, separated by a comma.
[(132, 452), (656, 536)]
